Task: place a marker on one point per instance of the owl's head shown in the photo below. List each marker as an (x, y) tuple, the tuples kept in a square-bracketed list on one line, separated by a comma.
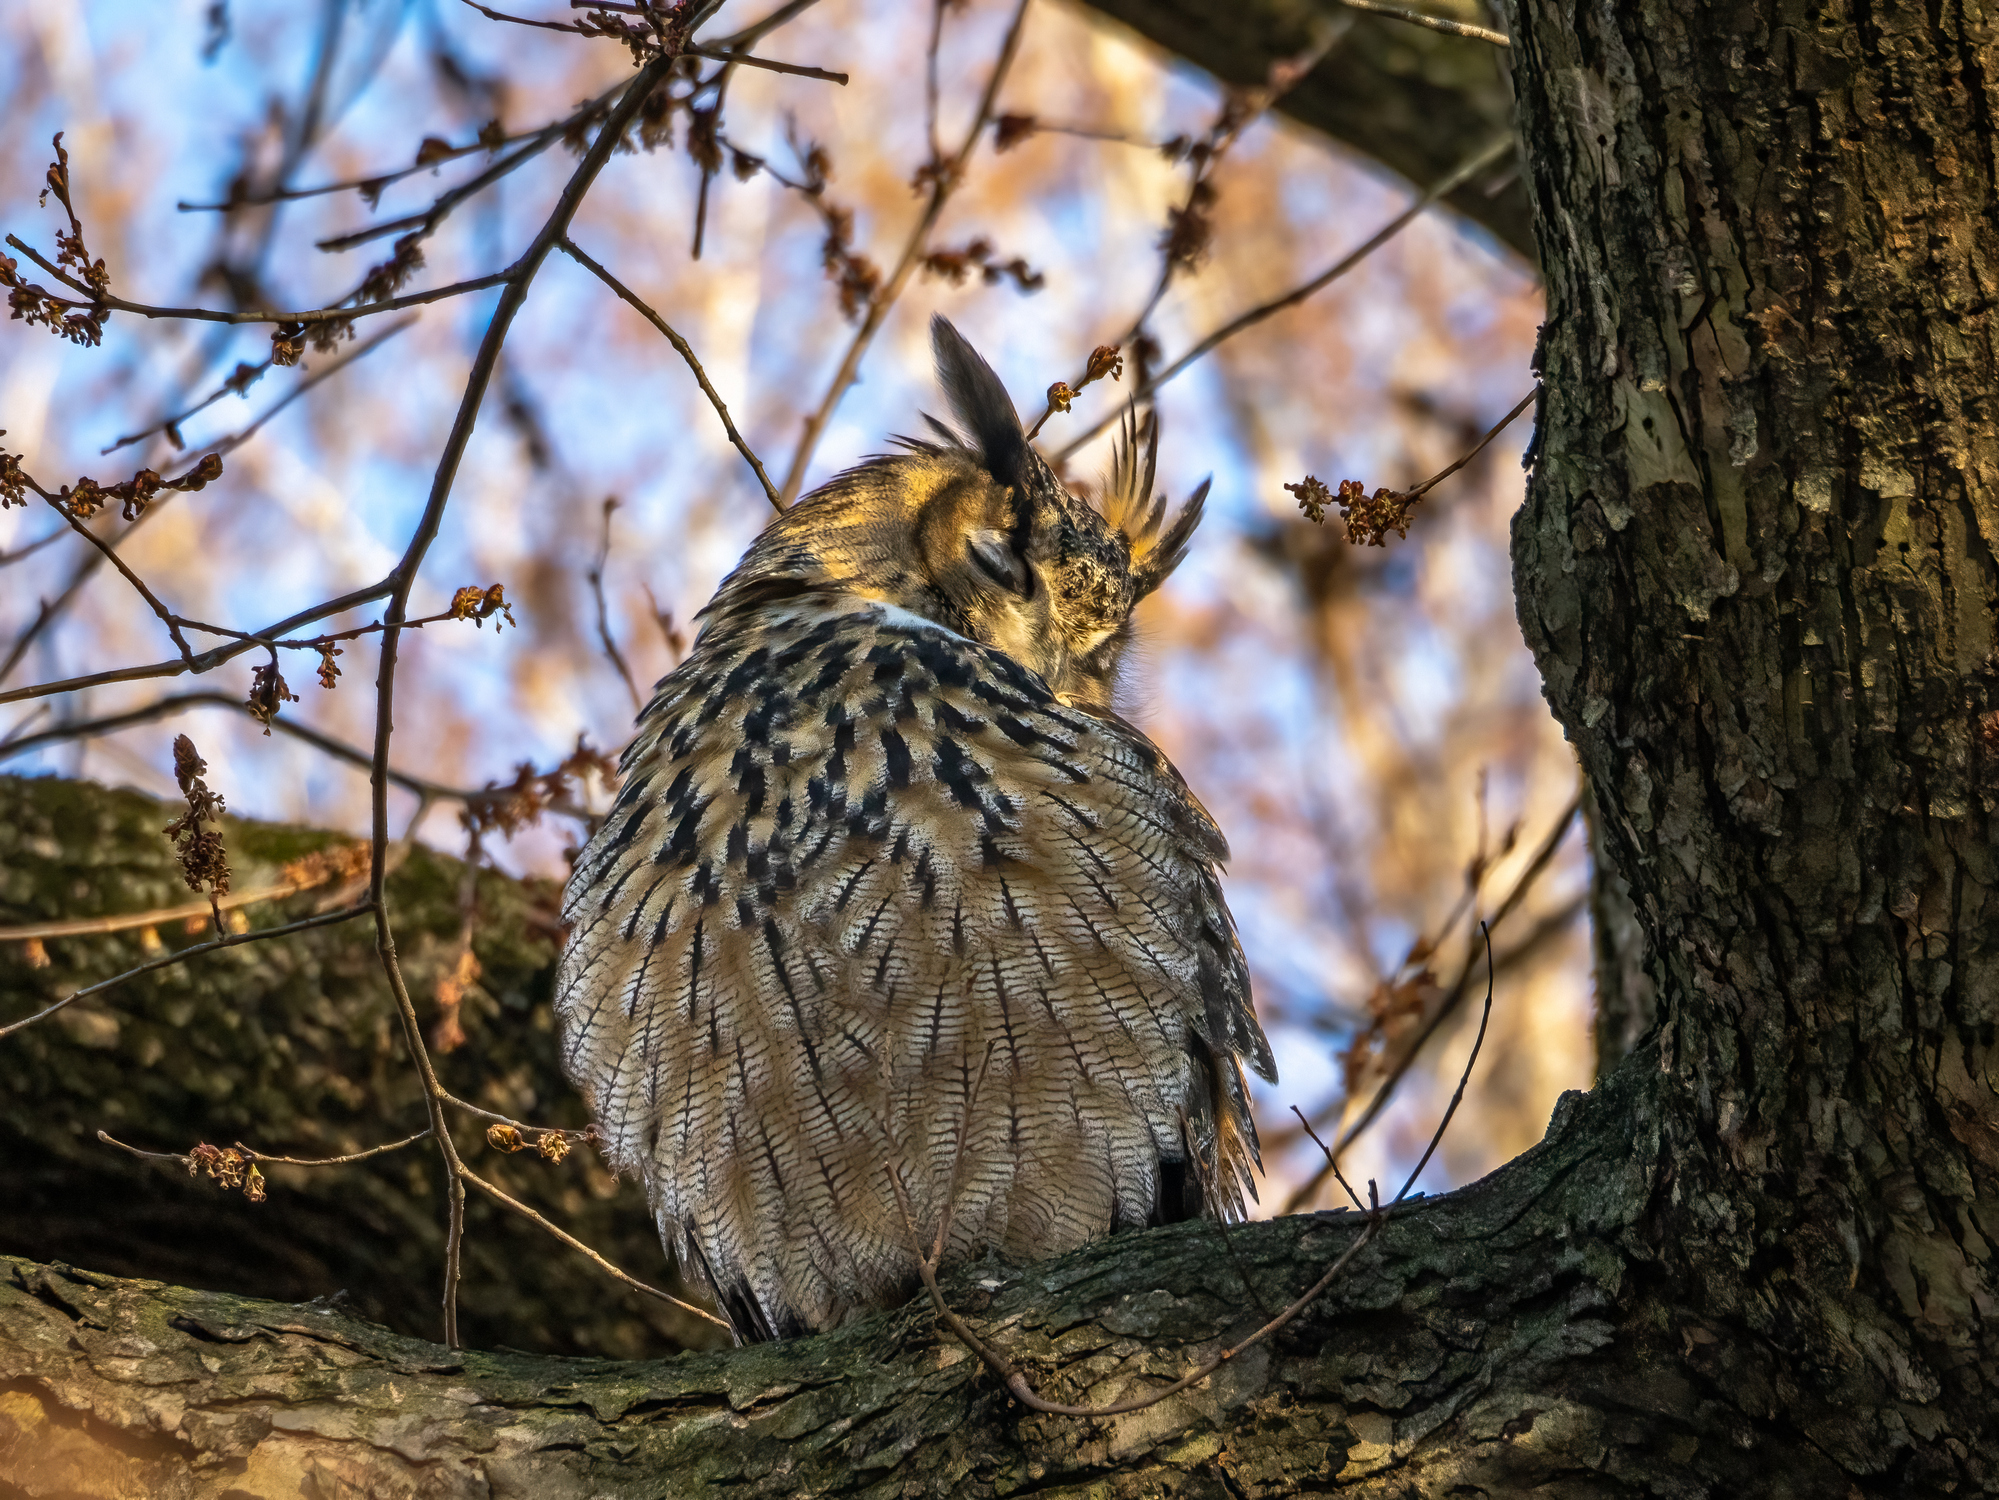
[(972, 530)]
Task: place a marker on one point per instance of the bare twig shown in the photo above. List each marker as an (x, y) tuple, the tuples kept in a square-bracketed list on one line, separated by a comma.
[(1332, 1161), (232, 940), (206, 661), (797, 70), (942, 182), (52, 609), (756, 31), (584, 1250), (1433, 23), (1446, 1007), (769, 65), (104, 548), (596, 577), (1483, 443), (371, 186), (1450, 183), (686, 352), (163, 916), (402, 579), (7, 559), (238, 384), (85, 729), (340, 314), (282, 1161)]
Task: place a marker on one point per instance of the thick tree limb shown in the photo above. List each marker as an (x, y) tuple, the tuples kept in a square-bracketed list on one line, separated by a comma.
[(1414, 100), (1542, 1368)]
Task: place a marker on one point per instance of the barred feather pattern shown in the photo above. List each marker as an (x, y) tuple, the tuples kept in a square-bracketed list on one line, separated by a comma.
[(872, 900)]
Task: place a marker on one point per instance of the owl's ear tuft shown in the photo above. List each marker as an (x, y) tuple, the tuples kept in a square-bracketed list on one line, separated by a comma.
[(1164, 555), (984, 410)]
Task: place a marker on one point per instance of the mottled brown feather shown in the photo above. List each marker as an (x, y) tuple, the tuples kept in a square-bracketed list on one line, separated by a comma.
[(877, 895)]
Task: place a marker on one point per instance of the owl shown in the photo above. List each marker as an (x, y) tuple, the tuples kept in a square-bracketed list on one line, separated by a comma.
[(895, 924)]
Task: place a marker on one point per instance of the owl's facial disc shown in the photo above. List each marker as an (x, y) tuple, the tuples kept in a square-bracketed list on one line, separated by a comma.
[(977, 534)]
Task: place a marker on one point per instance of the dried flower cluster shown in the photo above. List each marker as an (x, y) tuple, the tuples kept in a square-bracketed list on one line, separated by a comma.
[(385, 280), (480, 605), (342, 863), (448, 1035), (79, 322), (268, 693), (1104, 360), (550, 1145), (857, 278), (87, 497), (508, 809), (1190, 228), (1010, 130), (978, 255), (1368, 518), (664, 31), (13, 480), (203, 863), (230, 1168)]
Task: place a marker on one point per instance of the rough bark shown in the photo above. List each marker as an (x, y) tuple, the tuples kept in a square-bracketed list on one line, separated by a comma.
[(1756, 566), (1416, 101), (292, 1047), (1756, 569)]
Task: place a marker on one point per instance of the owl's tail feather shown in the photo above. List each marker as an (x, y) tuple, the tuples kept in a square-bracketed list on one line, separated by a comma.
[(748, 1318), (1223, 1157)]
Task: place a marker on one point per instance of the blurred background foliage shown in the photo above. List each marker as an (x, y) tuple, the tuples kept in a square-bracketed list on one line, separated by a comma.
[(1365, 723)]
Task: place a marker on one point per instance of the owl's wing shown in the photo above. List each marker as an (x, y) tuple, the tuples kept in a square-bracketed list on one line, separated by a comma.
[(871, 901)]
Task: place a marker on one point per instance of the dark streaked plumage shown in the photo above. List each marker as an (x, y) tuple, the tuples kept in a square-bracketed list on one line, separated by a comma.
[(889, 886)]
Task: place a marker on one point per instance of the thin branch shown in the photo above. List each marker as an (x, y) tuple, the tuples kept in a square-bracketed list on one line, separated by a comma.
[(1331, 1160), (750, 35), (446, 202), (105, 549), (686, 352), (1450, 183), (374, 185), (942, 184), (584, 1250), (1485, 1016), (361, 350), (713, 54), (206, 661), (163, 916), (1445, 1009), (710, 160), (769, 65), (1433, 23), (233, 940), (260, 315), (238, 384), (9, 558), (403, 578), (88, 729), (1483, 443), (281, 1161), (596, 578)]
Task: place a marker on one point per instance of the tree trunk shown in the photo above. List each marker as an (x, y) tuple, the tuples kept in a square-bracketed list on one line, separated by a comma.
[(1756, 567)]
